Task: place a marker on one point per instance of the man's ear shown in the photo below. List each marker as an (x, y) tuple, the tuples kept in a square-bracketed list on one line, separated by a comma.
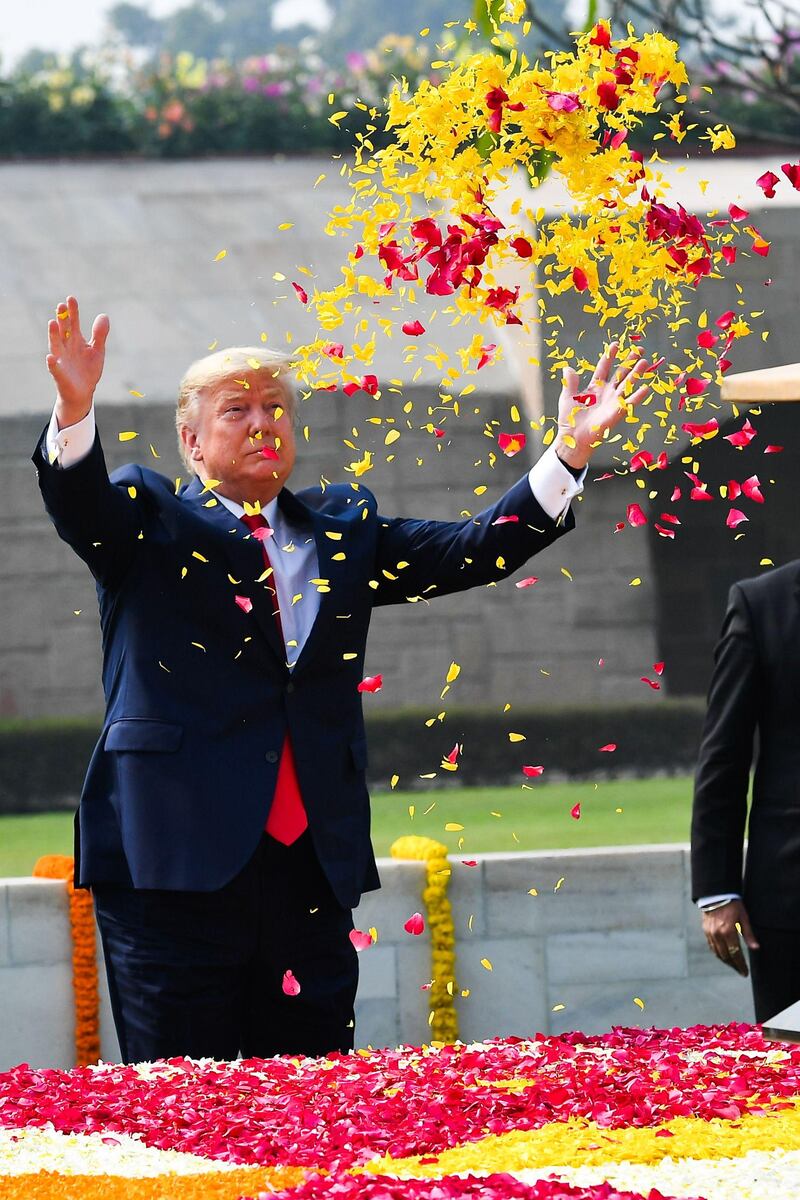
[(192, 445)]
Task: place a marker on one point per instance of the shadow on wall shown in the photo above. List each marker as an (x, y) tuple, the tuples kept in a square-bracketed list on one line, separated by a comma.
[(694, 571)]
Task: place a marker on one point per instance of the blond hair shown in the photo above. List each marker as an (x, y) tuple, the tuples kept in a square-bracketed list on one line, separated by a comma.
[(206, 374)]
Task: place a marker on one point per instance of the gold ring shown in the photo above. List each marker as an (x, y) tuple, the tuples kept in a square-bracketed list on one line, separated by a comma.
[(734, 949)]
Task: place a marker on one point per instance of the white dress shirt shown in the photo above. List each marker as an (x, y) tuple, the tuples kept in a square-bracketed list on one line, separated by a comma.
[(292, 552)]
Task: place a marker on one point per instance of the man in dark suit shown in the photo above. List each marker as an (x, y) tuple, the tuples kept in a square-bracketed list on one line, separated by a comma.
[(755, 686), (224, 821)]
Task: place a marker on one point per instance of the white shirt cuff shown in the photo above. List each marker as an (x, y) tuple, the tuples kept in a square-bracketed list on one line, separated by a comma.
[(705, 900), (553, 486), (69, 445)]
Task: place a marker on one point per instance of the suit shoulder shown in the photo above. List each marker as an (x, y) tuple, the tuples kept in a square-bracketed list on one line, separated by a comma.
[(758, 588), (131, 474), (338, 499)]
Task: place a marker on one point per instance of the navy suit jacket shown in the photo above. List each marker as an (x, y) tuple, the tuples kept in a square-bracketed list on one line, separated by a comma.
[(198, 694)]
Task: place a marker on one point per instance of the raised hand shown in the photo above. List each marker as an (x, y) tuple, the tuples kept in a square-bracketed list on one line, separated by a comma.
[(584, 414), (75, 364)]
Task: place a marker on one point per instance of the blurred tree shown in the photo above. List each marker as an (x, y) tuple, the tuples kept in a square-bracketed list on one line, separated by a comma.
[(748, 54), (135, 26), (231, 29)]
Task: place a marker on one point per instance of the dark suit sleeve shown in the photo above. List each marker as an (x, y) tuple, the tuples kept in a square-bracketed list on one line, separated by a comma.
[(99, 519), (719, 813), (425, 559)]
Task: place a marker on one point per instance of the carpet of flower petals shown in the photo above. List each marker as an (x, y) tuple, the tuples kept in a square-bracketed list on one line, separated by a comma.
[(348, 1110), (709, 1113), (469, 1187), (758, 1175)]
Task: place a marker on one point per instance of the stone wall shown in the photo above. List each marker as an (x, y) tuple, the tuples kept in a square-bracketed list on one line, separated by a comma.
[(532, 645), (606, 926)]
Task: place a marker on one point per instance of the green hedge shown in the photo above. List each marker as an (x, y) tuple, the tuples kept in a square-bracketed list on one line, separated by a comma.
[(42, 762)]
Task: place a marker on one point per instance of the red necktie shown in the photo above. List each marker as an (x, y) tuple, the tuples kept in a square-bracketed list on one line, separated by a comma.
[(287, 818)]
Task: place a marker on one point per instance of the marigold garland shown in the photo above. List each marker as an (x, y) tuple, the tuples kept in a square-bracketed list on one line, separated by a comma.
[(443, 1019), (84, 956), (212, 1185)]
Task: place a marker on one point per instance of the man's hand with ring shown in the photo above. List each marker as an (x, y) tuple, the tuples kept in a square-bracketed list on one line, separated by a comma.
[(722, 926)]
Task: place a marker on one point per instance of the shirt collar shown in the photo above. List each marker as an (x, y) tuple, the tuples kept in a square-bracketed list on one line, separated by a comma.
[(269, 511)]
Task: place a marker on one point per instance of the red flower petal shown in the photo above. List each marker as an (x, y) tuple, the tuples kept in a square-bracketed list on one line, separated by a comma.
[(579, 279), (415, 924), (511, 443), (522, 247), (735, 517), (743, 436), (526, 583), (609, 749), (635, 515), (533, 772), (575, 811), (413, 328), (767, 183), (244, 602), (370, 683), (301, 292)]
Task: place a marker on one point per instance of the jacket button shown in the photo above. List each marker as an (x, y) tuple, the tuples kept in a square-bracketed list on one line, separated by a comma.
[(271, 756), (289, 687)]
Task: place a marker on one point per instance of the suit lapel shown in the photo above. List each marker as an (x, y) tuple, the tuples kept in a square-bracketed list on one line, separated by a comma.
[(245, 559)]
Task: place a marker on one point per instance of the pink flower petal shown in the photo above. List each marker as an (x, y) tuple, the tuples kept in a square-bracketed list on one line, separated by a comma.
[(290, 985), (526, 583), (361, 940), (245, 603), (415, 924)]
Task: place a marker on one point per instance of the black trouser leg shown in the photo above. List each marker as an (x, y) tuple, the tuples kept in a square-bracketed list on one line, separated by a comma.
[(775, 971), (200, 973)]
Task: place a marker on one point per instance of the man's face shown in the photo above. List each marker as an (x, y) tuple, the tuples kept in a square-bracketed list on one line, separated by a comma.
[(243, 436)]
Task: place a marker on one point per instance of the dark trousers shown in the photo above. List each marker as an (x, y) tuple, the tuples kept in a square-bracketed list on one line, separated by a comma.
[(200, 973), (775, 971)]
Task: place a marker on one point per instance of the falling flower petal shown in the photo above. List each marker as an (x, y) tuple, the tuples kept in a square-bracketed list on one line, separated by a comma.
[(290, 985), (767, 183), (743, 436), (511, 443), (360, 940), (371, 683), (734, 518), (415, 924), (245, 603), (526, 583), (635, 516)]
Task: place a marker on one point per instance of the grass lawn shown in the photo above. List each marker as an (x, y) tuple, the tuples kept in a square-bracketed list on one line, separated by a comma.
[(614, 813)]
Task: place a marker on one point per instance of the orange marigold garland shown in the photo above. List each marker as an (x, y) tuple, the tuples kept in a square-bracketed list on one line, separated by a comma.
[(84, 956)]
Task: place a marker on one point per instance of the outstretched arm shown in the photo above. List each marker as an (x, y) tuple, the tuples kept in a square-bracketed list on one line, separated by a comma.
[(425, 559), (100, 521)]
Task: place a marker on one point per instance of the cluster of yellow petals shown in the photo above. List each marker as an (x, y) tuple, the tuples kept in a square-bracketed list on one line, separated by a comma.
[(446, 162), (579, 1142), (443, 1019)]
